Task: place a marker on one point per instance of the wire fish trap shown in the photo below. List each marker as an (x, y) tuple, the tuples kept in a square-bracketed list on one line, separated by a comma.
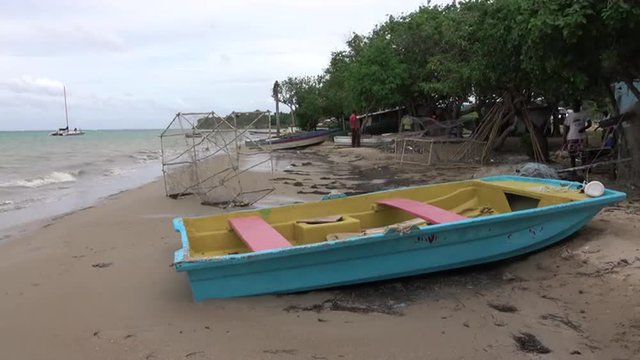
[(432, 151), (206, 155)]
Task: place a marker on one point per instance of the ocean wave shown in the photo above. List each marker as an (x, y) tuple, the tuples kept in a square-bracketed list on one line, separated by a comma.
[(143, 157), (6, 205), (116, 172), (11, 205), (55, 177)]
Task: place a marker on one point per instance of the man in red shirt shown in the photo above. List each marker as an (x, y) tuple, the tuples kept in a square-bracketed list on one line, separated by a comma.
[(354, 123)]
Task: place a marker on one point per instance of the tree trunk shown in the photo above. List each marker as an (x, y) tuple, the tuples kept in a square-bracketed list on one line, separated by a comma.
[(537, 132), (633, 88), (555, 126), (505, 134), (542, 141), (612, 99), (630, 146)]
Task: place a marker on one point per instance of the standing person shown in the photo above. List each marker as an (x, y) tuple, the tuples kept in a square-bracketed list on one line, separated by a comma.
[(575, 132), (354, 123)]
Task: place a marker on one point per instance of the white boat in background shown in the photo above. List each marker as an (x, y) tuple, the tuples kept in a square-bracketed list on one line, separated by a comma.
[(375, 140), (364, 141), (288, 130), (65, 131)]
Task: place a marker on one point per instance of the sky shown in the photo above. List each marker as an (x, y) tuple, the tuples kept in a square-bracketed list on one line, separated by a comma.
[(135, 63)]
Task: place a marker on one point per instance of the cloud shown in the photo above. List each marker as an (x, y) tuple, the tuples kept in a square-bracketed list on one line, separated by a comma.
[(37, 39), (33, 85), (129, 64)]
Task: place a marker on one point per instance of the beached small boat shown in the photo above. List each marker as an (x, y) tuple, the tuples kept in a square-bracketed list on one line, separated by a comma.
[(379, 235), (291, 141), (273, 131)]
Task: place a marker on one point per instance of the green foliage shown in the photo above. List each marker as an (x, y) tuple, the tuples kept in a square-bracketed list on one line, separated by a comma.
[(244, 120), (441, 56), (310, 104)]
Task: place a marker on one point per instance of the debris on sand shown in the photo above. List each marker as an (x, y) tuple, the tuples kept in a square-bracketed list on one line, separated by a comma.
[(563, 320), (336, 304), (507, 276), (281, 351), (537, 170), (194, 353), (529, 343), (314, 192), (101, 265), (505, 308)]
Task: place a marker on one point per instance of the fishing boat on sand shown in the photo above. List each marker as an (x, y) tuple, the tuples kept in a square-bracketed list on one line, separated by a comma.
[(291, 141), (375, 140), (263, 131), (379, 235), (65, 131), (364, 141)]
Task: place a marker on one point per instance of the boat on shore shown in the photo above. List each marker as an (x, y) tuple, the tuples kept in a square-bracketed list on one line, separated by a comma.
[(371, 141), (381, 235), (375, 140), (291, 141), (273, 131), (66, 131)]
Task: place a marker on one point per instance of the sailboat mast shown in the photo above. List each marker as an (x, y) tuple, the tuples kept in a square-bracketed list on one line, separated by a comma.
[(66, 114)]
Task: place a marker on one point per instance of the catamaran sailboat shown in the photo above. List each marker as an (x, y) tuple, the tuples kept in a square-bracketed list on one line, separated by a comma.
[(65, 131)]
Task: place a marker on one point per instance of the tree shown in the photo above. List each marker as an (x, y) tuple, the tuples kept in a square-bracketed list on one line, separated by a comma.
[(310, 103), (290, 89), (513, 52)]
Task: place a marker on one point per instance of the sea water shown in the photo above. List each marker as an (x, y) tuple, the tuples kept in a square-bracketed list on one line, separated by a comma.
[(43, 176)]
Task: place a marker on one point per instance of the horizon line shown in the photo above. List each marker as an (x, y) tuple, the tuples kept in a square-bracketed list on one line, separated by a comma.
[(100, 129)]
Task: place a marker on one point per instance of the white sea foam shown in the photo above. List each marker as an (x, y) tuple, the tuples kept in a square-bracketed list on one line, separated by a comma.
[(6, 205), (145, 156), (52, 178), (116, 172), (9, 205)]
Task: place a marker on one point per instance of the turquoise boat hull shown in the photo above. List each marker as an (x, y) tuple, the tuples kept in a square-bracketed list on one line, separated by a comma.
[(390, 255)]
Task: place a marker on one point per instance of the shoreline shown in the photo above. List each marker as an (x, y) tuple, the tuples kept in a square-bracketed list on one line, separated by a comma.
[(44, 212), (12, 232), (98, 284)]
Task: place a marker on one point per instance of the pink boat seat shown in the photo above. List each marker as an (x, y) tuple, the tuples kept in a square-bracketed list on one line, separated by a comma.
[(258, 234), (430, 213)]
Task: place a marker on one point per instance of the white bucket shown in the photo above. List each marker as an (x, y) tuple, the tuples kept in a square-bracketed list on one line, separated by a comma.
[(594, 189)]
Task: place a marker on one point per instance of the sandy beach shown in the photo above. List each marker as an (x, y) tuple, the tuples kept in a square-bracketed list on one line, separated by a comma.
[(99, 284)]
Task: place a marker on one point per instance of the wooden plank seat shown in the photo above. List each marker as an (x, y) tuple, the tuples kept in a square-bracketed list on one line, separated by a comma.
[(432, 214), (258, 234)]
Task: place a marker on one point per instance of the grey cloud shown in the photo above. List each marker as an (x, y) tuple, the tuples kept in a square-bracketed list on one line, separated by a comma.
[(56, 40), (33, 85), (131, 64)]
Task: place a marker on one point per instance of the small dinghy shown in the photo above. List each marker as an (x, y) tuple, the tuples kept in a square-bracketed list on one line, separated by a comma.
[(379, 235)]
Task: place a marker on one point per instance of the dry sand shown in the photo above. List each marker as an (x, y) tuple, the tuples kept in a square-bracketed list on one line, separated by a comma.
[(98, 284)]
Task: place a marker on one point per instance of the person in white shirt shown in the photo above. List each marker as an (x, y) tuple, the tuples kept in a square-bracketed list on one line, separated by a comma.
[(575, 132)]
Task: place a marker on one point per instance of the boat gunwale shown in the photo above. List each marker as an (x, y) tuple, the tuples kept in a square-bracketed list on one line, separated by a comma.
[(183, 262)]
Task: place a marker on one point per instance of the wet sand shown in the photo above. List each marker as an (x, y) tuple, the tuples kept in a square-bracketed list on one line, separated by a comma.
[(98, 284)]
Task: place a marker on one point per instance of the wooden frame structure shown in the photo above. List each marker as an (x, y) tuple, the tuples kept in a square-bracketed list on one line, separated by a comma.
[(429, 151), (204, 154)]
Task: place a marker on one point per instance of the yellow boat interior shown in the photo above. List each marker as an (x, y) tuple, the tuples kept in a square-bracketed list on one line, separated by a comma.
[(342, 218)]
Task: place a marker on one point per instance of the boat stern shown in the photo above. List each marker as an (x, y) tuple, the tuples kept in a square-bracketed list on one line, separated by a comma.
[(181, 255)]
